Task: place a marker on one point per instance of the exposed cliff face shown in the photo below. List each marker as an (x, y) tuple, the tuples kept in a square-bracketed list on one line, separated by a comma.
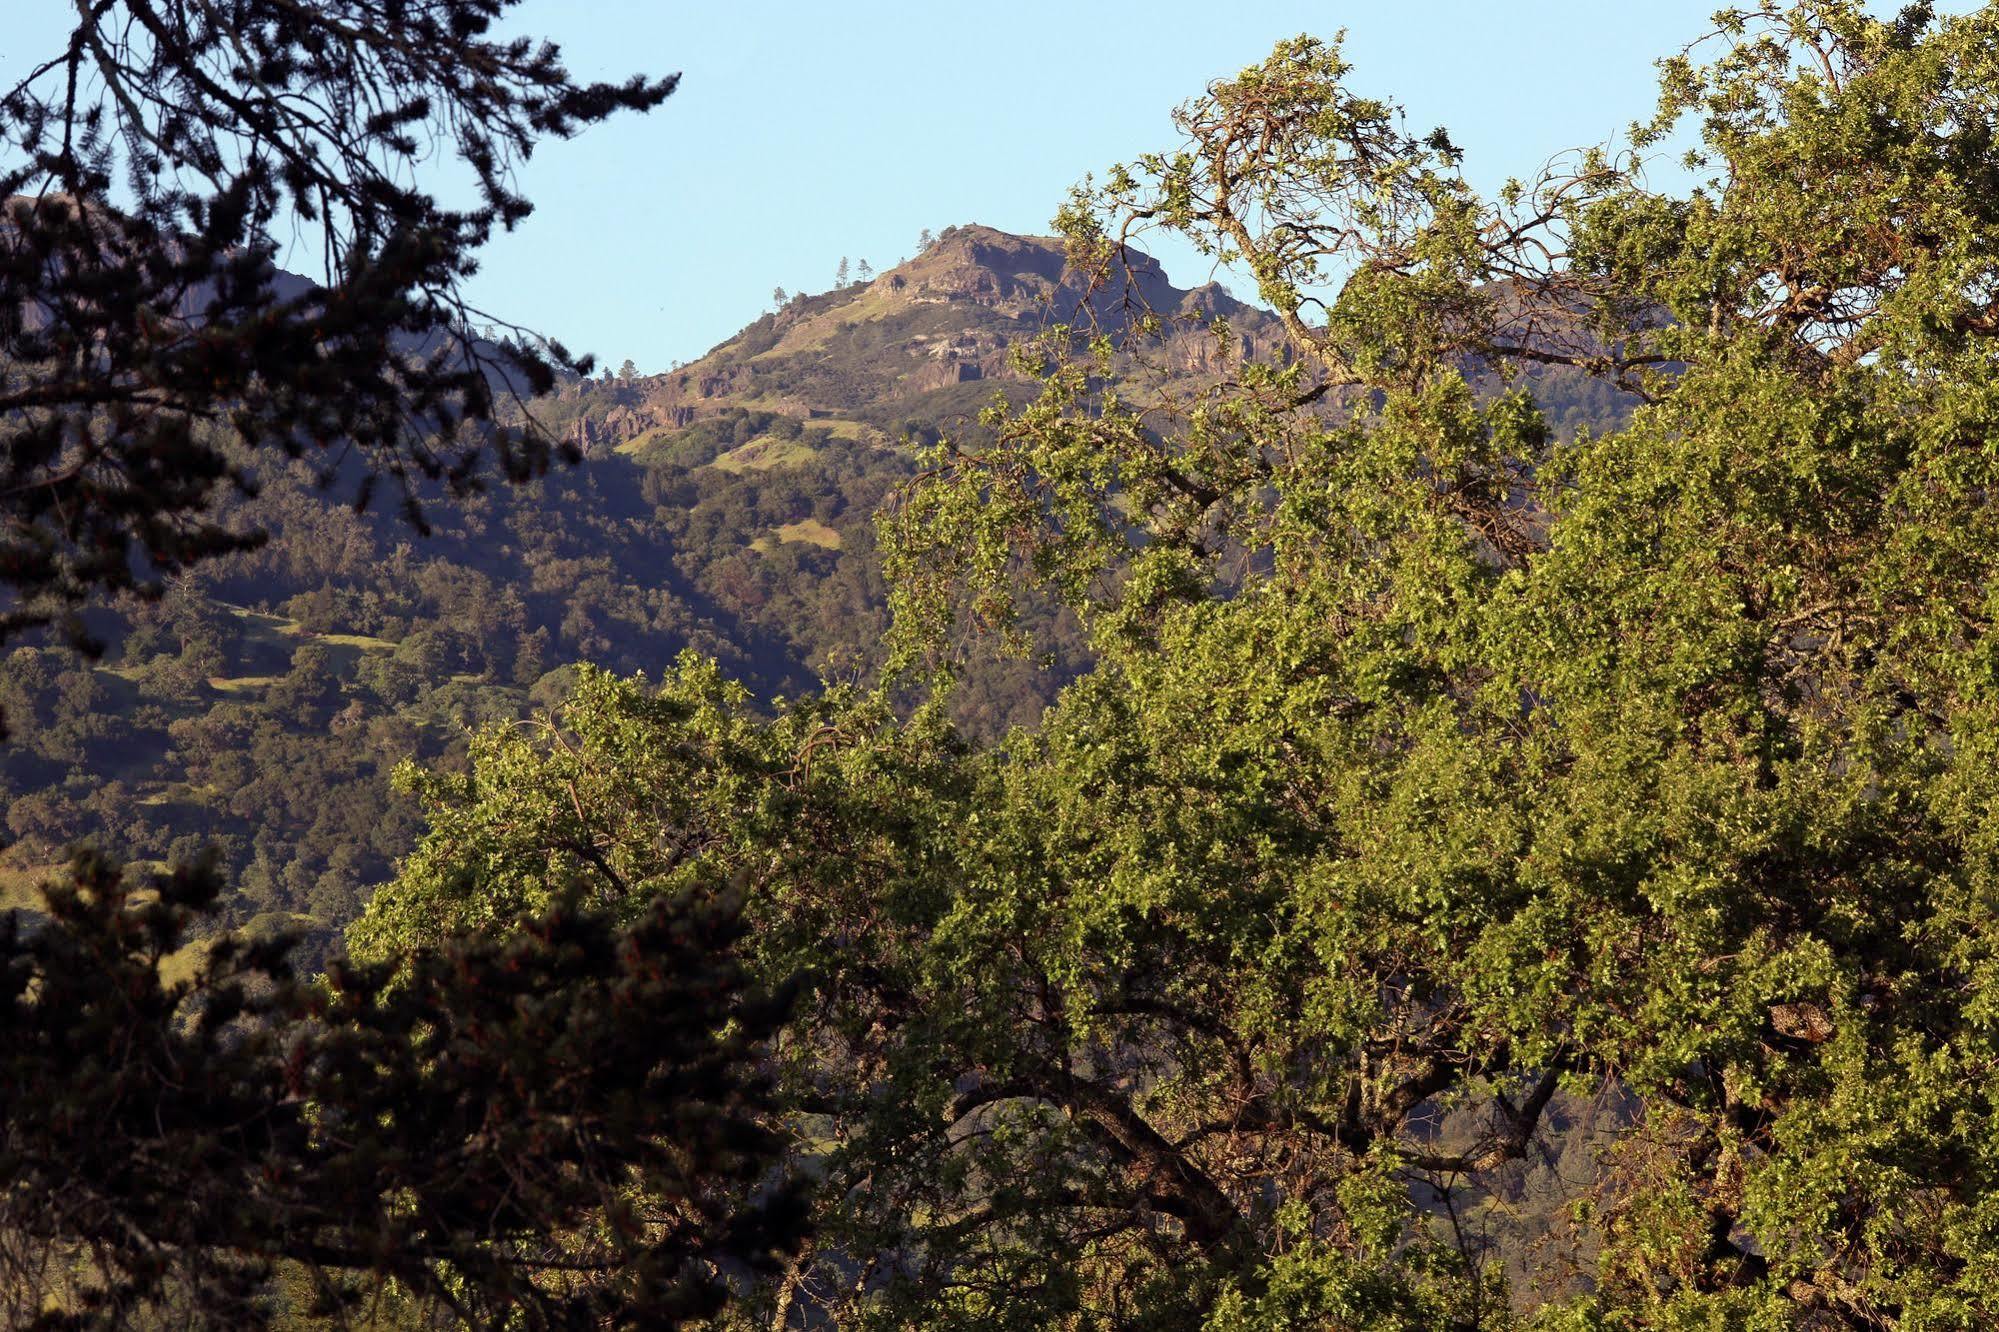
[(986, 267), (946, 318)]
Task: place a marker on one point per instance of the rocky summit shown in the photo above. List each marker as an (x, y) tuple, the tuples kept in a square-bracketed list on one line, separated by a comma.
[(869, 358)]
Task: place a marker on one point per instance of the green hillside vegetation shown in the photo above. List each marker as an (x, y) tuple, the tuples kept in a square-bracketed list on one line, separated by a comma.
[(760, 455), (262, 704), (20, 886), (260, 707), (812, 532)]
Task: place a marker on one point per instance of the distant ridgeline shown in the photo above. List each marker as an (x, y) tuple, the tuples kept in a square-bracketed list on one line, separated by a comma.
[(724, 508)]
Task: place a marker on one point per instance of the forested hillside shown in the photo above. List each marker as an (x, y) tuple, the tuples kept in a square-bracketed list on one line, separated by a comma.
[(726, 509)]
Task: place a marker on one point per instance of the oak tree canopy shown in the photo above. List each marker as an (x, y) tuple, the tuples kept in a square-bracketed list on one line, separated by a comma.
[(1489, 876)]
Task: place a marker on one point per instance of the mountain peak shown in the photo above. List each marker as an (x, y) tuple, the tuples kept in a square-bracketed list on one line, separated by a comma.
[(1001, 269), (899, 346)]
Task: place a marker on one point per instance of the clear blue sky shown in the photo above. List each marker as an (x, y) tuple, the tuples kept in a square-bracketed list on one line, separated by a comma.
[(805, 131)]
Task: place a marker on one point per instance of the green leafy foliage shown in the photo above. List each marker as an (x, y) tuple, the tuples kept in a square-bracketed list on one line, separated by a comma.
[(1490, 875)]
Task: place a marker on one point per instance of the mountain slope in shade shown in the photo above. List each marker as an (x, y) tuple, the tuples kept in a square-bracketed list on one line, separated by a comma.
[(260, 706)]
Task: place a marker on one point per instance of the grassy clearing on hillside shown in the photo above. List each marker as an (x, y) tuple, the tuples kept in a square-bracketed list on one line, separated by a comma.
[(839, 427), (764, 453), (806, 531), (639, 443), (271, 628), (811, 531), (364, 642), (815, 331), (242, 684), (21, 886), (21, 890), (180, 965)]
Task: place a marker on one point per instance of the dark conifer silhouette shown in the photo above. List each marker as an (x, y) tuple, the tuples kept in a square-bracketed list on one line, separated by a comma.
[(150, 349), (559, 1125), (548, 1128)]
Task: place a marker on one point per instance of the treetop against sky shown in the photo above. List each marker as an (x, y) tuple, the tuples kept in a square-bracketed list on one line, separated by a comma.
[(804, 132)]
